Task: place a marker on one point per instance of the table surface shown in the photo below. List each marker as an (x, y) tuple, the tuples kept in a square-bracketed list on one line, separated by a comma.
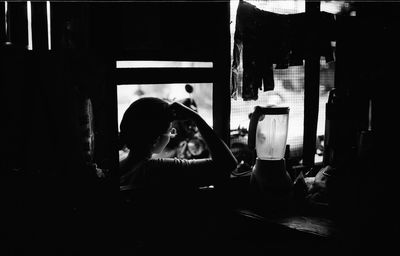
[(314, 224)]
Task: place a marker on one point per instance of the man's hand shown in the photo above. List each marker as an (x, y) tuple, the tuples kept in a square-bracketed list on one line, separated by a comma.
[(181, 112)]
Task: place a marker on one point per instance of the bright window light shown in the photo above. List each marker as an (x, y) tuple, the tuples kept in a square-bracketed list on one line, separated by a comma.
[(29, 18), (202, 95), (5, 17), (48, 24), (162, 64)]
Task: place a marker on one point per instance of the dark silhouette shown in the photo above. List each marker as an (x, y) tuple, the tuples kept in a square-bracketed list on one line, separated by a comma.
[(164, 194)]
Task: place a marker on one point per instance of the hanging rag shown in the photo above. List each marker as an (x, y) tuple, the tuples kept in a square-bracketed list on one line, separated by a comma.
[(255, 51), (311, 34), (263, 39)]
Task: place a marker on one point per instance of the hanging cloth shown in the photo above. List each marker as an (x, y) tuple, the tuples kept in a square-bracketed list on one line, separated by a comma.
[(255, 51), (305, 28), (263, 39)]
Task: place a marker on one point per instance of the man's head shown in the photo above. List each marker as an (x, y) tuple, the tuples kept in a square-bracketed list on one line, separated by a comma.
[(145, 125)]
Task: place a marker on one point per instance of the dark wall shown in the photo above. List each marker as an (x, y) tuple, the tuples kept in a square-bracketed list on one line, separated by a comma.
[(170, 29), (367, 68), (55, 203), (47, 189)]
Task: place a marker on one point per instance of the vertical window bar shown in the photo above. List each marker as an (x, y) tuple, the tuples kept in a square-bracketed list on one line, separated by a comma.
[(29, 23), (48, 24), (311, 89), (7, 23)]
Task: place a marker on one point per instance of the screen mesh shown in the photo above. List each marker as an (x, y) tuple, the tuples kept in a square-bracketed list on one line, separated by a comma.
[(289, 83)]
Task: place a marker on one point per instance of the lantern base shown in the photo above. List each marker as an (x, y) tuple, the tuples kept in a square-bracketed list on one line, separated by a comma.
[(271, 183)]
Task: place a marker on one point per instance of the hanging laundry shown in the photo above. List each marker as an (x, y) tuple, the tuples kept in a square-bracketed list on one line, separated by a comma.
[(263, 39), (311, 34), (245, 27), (255, 51)]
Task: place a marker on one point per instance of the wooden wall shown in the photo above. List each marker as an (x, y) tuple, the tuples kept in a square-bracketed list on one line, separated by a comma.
[(53, 198)]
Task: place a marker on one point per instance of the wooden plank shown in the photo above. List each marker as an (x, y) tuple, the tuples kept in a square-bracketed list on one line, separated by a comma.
[(222, 67), (173, 55), (311, 88), (18, 24), (2, 23), (313, 225), (70, 25), (39, 26), (310, 224), (154, 31), (163, 75)]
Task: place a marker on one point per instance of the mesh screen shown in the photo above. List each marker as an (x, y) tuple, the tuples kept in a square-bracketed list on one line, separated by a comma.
[(289, 83)]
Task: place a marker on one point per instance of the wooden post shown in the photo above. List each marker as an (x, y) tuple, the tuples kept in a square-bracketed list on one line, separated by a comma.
[(2, 23), (39, 26), (70, 25), (311, 86), (222, 67), (18, 24)]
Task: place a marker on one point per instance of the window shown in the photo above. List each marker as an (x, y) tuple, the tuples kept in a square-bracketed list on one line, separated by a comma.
[(197, 95), (289, 83), (202, 96)]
